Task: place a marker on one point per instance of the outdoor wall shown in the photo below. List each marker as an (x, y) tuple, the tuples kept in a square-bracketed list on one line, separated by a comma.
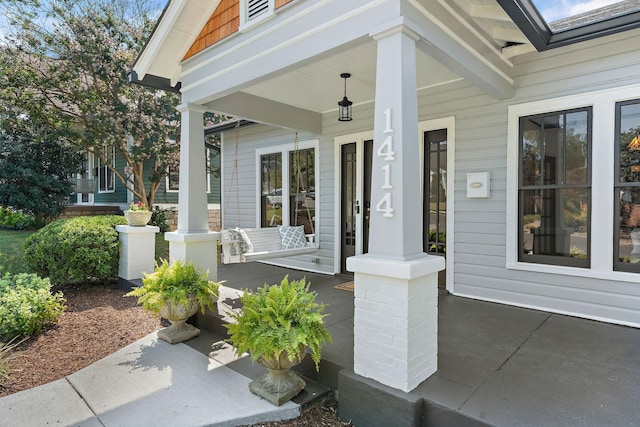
[(172, 218), (243, 194), (480, 240), (119, 196), (481, 145), (86, 210)]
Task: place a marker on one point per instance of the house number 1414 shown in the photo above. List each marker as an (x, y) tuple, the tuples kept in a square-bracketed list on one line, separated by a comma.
[(386, 152)]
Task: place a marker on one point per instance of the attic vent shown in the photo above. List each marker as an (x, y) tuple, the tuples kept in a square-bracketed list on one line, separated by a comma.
[(256, 8)]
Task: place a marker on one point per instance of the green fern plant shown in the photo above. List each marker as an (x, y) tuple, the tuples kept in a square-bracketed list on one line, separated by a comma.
[(279, 318), (175, 282)]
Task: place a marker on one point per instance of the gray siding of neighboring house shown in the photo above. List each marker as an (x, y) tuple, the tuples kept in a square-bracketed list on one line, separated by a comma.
[(117, 197), (171, 197)]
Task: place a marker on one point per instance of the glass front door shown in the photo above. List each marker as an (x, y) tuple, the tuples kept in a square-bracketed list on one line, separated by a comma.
[(356, 200)]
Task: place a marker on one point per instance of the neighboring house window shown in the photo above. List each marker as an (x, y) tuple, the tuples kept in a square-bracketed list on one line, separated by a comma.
[(288, 185), (627, 187), (106, 177), (252, 11), (172, 181), (554, 188)]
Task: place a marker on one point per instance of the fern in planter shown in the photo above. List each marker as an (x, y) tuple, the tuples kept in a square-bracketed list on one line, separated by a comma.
[(175, 282), (279, 318)]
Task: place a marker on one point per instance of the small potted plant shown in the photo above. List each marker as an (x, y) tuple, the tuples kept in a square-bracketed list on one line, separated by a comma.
[(175, 292), (276, 326), (137, 215)]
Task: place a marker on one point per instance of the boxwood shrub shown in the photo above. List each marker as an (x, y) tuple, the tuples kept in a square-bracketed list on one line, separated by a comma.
[(27, 305), (13, 220), (76, 250)]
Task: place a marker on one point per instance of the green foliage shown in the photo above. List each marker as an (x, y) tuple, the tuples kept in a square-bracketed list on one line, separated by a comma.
[(35, 167), (65, 64), (5, 358), (76, 250), (159, 219), (279, 318), (27, 305), (175, 282), (14, 220), (162, 248), (12, 250)]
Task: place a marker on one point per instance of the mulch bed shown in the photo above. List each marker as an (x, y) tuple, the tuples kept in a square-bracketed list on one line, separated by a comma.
[(98, 321)]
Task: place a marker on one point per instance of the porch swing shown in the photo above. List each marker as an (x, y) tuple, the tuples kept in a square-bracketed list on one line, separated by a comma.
[(254, 244)]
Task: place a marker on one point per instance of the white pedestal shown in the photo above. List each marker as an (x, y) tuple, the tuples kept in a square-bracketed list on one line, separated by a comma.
[(198, 248), (396, 319), (137, 250)]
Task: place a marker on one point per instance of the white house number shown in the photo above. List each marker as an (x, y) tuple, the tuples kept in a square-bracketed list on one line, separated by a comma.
[(386, 152)]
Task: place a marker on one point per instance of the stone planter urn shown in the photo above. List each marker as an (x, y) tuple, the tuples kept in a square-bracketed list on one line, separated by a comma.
[(137, 218), (178, 314), (279, 384)]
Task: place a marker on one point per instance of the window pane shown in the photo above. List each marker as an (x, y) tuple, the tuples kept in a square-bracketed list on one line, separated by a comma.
[(555, 222), (629, 236), (531, 150), (302, 189), (174, 178), (629, 147), (576, 148), (627, 227), (271, 184), (554, 188)]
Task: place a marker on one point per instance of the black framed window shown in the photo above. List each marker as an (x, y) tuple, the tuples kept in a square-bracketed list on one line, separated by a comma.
[(627, 187), (554, 188), (302, 192), (271, 185)]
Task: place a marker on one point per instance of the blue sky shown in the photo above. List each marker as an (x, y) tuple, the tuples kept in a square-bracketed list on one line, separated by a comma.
[(552, 10)]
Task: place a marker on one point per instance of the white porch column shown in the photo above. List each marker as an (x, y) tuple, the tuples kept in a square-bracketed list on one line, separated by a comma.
[(396, 296), (193, 241)]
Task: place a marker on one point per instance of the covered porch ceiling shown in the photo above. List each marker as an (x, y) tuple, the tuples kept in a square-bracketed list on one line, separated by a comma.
[(318, 86), (480, 51)]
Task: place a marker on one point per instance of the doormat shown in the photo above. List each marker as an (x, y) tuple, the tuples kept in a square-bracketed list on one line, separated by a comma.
[(345, 287)]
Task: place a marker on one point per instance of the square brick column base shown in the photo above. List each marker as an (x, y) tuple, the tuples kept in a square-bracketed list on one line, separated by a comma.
[(396, 319)]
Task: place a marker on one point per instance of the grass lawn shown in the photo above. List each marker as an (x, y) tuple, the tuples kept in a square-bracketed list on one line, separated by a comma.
[(162, 247), (11, 249)]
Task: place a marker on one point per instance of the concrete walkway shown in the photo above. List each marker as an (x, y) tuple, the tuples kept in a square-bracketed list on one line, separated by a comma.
[(147, 383), (500, 365)]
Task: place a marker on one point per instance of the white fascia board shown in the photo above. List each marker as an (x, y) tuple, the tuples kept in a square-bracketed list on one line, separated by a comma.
[(311, 34), (170, 40), (486, 69)]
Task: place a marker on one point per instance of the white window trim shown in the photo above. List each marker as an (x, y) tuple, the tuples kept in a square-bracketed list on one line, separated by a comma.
[(245, 23), (285, 149), (448, 123), (602, 170), (166, 178), (100, 166)]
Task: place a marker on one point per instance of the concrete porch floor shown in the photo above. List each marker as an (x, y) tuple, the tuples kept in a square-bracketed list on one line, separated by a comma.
[(498, 364)]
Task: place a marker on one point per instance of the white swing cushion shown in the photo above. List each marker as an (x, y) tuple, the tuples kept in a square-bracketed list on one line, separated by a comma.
[(292, 237), (260, 239)]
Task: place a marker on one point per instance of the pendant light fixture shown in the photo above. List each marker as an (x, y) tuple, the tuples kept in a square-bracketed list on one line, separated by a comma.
[(344, 106)]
